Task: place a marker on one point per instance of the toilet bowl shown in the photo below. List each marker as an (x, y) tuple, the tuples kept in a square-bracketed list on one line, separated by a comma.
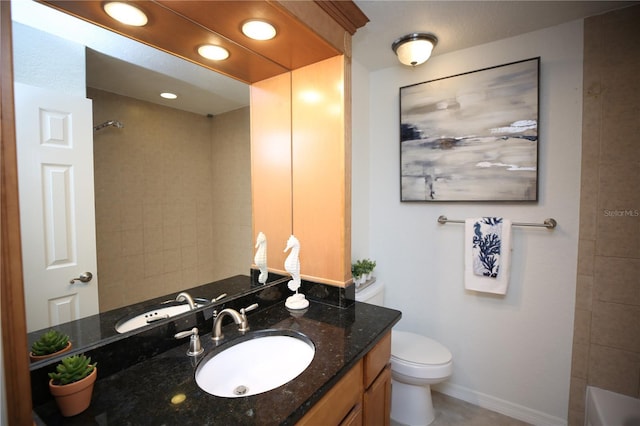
[(417, 362)]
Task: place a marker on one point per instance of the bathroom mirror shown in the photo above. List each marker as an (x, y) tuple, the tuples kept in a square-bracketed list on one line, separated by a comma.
[(129, 224), (295, 49)]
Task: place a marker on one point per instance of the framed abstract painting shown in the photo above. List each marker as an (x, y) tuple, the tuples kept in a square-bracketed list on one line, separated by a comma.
[(471, 136)]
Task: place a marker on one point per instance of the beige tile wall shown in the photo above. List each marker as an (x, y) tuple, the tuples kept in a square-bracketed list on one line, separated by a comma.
[(173, 198), (233, 246), (606, 343)]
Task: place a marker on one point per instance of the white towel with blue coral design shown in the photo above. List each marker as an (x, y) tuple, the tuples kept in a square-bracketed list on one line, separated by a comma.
[(487, 254)]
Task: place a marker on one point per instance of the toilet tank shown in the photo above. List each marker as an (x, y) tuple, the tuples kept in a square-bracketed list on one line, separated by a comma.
[(372, 293)]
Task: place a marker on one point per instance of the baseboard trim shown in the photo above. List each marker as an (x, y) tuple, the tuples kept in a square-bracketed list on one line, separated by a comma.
[(498, 405)]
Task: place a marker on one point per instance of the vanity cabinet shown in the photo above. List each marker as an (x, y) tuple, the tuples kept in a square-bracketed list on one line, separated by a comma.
[(377, 400), (347, 382), (377, 384), (362, 396), (342, 405)]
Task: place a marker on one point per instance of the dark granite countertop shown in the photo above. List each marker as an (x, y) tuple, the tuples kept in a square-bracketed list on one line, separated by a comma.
[(142, 393), (99, 329)]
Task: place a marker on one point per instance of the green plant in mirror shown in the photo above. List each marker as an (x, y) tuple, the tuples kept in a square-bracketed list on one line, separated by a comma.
[(356, 269), (50, 342), (363, 266), (72, 369), (368, 265)]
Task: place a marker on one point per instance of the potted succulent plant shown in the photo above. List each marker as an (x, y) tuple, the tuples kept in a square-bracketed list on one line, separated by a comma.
[(49, 344), (356, 271), (368, 266), (362, 270), (72, 384)]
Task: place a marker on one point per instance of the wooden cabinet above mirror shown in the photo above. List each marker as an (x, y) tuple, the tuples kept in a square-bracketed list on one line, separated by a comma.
[(180, 27)]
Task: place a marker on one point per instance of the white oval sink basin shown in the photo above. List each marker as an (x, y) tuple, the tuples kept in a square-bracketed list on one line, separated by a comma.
[(260, 362), (150, 316)]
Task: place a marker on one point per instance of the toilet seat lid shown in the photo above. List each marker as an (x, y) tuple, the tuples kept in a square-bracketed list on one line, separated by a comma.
[(419, 349)]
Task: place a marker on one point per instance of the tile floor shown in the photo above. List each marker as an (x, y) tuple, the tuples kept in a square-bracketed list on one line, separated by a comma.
[(455, 412)]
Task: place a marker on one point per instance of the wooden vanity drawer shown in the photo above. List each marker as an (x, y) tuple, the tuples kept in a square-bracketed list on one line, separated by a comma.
[(354, 418), (339, 402), (362, 396), (376, 360), (377, 400)]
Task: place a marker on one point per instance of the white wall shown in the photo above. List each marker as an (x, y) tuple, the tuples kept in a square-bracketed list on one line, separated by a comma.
[(511, 354), (360, 168), (44, 60)]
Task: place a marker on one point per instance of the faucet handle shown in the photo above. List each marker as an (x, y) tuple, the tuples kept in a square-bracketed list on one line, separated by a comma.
[(244, 325), (194, 343), (248, 308), (187, 333), (215, 299)]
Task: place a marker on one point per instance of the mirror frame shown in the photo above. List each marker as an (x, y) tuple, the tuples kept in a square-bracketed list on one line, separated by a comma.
[(14, 328), (318, 19)]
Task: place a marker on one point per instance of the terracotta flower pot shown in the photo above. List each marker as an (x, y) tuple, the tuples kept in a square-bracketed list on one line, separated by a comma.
[(35, 358), (75, 397)]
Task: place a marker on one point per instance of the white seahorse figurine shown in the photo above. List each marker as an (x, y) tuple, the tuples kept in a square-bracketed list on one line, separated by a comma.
[(292, 266), (260, 259), (292, 263)]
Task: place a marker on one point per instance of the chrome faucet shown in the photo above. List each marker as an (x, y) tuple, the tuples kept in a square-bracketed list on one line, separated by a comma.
[(240, 318), (186, 296)]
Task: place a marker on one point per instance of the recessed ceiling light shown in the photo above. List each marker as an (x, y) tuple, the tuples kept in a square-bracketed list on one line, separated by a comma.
[(213, 52), (258, 30), (126, 13), (168, 95)]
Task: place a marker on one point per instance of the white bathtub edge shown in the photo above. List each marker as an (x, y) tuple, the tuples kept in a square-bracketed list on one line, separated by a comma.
[(606, 408)]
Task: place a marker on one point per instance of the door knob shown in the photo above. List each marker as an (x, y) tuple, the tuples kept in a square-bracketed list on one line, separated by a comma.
[(85, 277)]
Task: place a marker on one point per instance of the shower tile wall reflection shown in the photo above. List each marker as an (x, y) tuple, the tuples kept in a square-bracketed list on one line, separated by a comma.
[(173, 198)]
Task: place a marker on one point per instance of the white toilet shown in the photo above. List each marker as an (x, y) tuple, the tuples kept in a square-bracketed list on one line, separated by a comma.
[(417, 362)]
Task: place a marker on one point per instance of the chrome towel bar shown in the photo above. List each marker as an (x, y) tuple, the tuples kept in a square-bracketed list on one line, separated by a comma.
[(549, 223)]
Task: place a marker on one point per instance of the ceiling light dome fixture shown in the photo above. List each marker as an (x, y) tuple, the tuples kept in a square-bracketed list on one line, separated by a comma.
[(414, 49), (258, 30), (213, 52), (126, 13)]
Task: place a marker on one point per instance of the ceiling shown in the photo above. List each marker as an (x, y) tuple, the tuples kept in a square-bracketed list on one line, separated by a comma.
[(141, 72), (460, 24), (199, 90)]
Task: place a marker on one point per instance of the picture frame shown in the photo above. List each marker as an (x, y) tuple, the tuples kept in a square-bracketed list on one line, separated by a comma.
[(471, 136)]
